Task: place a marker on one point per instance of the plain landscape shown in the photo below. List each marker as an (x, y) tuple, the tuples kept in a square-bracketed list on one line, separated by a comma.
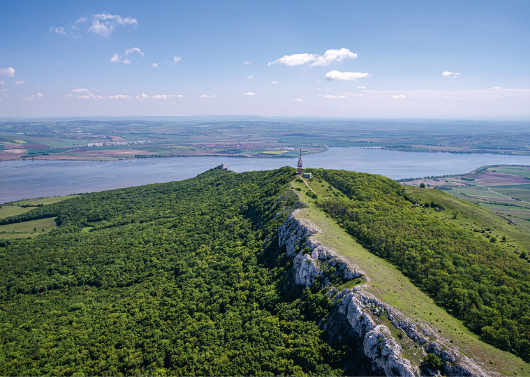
[(111, 139)]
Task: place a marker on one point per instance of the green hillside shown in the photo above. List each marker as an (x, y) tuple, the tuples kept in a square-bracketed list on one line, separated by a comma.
[(166, 278), (386, 280), (483, 284), (187, 278)]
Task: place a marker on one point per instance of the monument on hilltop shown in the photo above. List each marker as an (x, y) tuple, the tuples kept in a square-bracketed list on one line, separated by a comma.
[(300, 169)]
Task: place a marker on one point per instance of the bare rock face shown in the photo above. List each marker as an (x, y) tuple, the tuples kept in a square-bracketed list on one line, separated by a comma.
[(359, 311), (381, 347), (378, 343), (311, 258), (454, 363)]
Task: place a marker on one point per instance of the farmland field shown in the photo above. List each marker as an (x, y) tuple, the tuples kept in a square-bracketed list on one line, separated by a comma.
[(128, 139), (502, 189), (27, 229)]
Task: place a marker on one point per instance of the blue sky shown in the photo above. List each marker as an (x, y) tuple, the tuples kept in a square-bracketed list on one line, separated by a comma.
[(354, 59)]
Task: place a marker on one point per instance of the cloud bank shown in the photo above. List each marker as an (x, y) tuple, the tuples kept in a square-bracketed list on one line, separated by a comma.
[(329, 57), (9, 72), (347, 76)]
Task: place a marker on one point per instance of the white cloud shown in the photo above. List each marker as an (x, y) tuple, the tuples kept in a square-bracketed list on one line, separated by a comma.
[(495, 88), (333, 97), (2, 82), (246, 62), (295, 59), (154, 65), (80, 20), (397, 96), (9, 72), (19, 82), (105, 23), (119, 96), (298, 100), (176, 59), (348, 76), (249, 94), (142, 97), (80, 90), (250, 77), (134, 49), (453, 75), (329, 57), (274, 82), (204, 96), (447, 73), (333, 55), (166, 96), (33, 97), (3, 90), (214, 96), (58, 30), (361, 87), (117, 57), (83, 94)]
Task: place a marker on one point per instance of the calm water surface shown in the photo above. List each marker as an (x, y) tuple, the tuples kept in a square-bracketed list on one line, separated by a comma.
[(33, 179)]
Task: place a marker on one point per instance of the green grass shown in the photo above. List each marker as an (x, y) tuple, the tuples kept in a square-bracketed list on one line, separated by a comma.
[(8, 211), (27, 229), (388, 284), (43, 201), (471, 215), (515, 170), (522, 193)]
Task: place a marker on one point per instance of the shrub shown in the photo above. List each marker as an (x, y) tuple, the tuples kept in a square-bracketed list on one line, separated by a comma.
[(432, 361)]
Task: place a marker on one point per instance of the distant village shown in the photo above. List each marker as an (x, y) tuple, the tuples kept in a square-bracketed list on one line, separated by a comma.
[(118, 143)]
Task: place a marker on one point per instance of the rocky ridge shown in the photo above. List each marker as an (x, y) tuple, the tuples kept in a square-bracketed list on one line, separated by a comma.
[(362, 313)]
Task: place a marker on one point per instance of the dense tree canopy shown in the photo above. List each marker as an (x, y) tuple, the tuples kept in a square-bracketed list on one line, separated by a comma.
[(165, 278), (476, 280)]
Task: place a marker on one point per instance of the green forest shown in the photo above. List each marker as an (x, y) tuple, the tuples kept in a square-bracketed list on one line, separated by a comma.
[(187, 278), (474, 279), (162, 279)]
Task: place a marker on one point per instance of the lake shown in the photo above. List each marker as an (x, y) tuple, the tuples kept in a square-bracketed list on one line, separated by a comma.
[(34, 179)]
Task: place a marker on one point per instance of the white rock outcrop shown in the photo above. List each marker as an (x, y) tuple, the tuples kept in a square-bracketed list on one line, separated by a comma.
[(311, 258), (360, 309), (378, 343)]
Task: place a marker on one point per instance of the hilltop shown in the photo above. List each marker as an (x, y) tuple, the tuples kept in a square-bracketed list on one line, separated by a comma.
[(258, 273)]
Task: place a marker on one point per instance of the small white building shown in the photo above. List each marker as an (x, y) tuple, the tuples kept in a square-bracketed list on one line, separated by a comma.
[(308, 175)]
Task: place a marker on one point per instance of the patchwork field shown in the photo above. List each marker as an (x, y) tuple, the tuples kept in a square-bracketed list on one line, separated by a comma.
[(27, 229), (112, 139), (502, 189)]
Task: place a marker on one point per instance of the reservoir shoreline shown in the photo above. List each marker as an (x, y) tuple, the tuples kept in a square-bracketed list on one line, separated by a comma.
[(39, 178)]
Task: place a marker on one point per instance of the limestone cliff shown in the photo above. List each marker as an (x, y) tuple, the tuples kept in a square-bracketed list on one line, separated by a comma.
[(359, 313)]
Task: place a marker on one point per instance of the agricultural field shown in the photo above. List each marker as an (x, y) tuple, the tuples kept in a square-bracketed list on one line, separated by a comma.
[(504, 190), (127, 139), (27, 229), (30, 228)]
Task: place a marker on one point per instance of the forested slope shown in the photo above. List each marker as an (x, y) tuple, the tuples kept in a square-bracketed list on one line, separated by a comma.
[(166, 278), (187, 278), (477, 281)]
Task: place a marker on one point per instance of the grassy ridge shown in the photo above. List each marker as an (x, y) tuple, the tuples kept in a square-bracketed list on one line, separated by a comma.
[(477, 281), (389, 284)]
